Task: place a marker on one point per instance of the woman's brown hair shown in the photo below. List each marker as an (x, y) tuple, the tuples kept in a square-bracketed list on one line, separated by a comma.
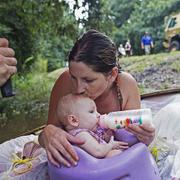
[(96, 50)]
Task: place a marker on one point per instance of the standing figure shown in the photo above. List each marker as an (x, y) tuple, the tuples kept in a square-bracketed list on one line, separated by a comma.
[(121, 51), (147, 43), (128, 48)]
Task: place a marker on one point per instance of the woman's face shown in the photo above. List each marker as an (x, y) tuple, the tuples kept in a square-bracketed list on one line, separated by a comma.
[(86, 81)]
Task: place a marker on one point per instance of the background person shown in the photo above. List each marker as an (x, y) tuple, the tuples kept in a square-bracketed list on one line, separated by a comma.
[(7, 61), (128, 48), (94, 72), (147, 43), (121, 51)]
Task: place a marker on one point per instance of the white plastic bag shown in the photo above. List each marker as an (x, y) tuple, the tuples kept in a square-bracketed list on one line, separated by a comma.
[(167, 140), (167, 122), (23, 159)]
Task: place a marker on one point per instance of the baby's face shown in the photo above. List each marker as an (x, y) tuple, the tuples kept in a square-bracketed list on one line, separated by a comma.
[(87, 114)]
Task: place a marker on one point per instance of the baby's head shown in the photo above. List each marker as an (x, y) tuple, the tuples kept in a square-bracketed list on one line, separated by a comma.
[(77, 111)]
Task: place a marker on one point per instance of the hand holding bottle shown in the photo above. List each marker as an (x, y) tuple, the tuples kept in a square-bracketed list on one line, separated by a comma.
[(122, 119)]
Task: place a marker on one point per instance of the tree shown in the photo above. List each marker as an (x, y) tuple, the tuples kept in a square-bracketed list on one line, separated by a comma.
[(143, 16), (96, 15), (38, 28)]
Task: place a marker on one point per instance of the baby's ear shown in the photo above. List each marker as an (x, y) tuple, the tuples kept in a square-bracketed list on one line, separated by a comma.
[(73, 120)]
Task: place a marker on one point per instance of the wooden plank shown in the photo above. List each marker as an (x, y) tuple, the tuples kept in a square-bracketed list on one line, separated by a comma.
[(35, 131), (162, 92)]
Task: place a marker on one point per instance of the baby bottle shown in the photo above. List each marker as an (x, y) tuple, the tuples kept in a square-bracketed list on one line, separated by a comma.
[(121, 119)]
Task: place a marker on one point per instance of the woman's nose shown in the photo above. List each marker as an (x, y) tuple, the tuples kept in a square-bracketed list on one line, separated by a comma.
[(80, 89)]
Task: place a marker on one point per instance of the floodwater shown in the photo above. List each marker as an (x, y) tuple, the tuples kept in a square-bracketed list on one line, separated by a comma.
[(16, 126)]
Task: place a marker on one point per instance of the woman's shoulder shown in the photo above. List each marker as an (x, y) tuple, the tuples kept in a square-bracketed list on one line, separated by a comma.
[(129, 90), (63, 83), (63, 77), (125, 78)]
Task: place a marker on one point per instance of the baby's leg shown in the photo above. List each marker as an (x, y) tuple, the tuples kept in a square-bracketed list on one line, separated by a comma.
[(113, 152)]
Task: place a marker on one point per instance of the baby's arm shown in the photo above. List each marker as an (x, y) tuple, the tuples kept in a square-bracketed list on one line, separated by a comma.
[(99, 150), (113, 152)]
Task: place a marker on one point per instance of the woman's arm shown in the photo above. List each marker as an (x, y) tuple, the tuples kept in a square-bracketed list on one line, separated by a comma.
[(130, 93), (144, 132), (54, 139), (61, 88)]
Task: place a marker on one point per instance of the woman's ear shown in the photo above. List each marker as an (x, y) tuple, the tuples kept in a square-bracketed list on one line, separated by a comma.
[(113, 74), (73, 120)]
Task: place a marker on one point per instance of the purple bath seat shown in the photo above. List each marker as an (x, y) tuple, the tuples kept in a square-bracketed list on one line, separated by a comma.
[(136, 163)]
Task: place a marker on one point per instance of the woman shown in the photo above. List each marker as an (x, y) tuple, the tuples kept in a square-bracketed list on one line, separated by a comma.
[(94, 72)]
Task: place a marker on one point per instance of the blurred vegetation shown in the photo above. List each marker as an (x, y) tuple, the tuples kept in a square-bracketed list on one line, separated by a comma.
[(38, 29)]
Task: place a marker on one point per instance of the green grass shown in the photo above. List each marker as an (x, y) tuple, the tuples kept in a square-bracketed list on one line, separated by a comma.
[(140, 63)]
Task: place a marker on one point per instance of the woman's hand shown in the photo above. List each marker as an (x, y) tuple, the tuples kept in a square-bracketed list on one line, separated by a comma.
[(144, 132), (57, 144)]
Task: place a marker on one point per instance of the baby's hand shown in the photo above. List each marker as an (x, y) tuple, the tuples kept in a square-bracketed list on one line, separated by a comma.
[(118, 144)]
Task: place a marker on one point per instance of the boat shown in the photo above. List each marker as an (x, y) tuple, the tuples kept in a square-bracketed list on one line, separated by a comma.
[(106, 168)]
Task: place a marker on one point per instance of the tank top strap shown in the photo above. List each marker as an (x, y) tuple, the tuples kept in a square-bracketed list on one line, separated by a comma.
[(119, 95)]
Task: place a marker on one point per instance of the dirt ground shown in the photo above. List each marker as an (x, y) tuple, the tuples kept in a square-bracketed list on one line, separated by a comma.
[(158, 77)]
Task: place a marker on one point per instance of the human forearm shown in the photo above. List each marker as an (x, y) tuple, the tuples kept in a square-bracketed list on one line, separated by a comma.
[(40, 139), (92, 146), (57, 144), (102, 150), (142, 45), (42, 136), (144, 132), (152, 45)]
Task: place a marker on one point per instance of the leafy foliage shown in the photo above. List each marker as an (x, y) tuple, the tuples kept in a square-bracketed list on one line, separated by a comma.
[(96, 15), (142, 16), (38, 28)]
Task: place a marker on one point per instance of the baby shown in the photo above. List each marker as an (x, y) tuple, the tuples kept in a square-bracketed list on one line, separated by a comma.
[(79, 117)]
